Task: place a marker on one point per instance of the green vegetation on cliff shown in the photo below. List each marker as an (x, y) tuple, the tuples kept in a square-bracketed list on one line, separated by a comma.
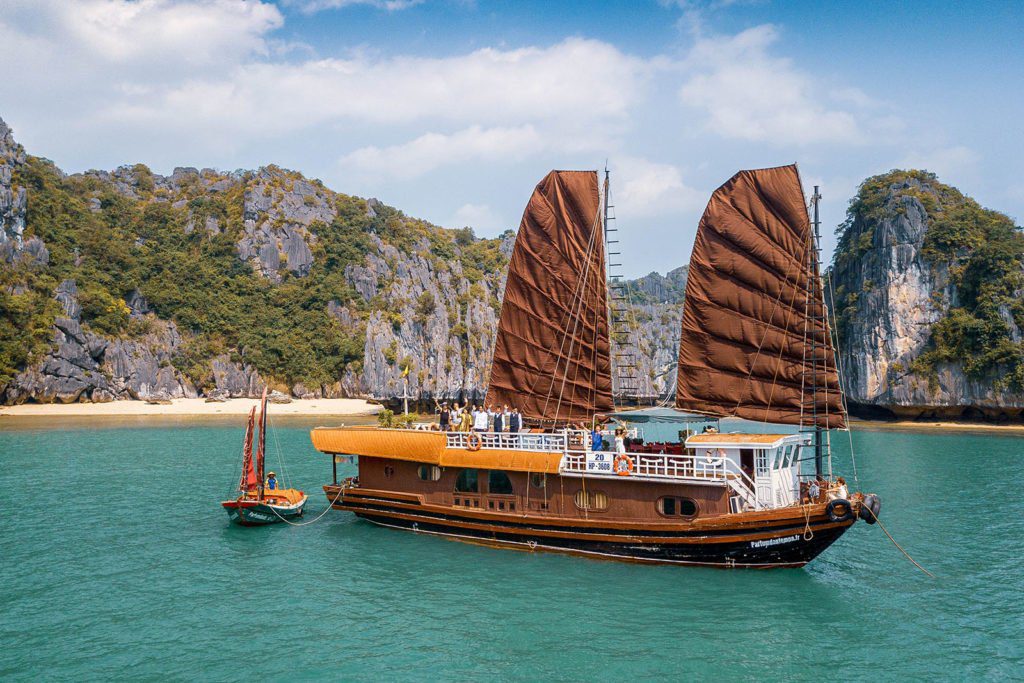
[(980, 256), (149, 238)]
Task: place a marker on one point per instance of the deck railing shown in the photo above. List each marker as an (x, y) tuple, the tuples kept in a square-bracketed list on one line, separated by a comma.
[(655, 466), (551, 442)]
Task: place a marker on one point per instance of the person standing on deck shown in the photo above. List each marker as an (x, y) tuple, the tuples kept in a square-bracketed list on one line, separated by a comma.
[(480, 419), (620, 440), (271, 482), (465, 419), (596, 442), (444, 417), (499, 423)]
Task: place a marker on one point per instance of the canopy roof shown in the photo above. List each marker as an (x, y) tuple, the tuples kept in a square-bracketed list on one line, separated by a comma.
[(660, 415)]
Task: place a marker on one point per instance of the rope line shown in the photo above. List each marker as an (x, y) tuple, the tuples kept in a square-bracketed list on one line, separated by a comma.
[(315, 519)]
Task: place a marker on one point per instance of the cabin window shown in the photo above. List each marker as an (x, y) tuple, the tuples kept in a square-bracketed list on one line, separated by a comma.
[(389, 471), (429, 472), (499, 483), (671, 506), (467, 482), (591, 500), (538, 480)]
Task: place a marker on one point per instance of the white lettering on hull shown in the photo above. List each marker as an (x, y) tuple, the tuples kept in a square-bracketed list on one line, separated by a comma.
[(769, 542)]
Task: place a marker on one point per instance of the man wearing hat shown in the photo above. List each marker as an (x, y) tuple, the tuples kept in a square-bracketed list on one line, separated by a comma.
[(271, 481)]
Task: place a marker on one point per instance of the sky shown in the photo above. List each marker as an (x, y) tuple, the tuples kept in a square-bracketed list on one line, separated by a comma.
[(452, 110)]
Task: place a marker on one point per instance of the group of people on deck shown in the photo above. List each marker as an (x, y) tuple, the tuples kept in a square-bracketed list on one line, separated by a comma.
[(476, 418)]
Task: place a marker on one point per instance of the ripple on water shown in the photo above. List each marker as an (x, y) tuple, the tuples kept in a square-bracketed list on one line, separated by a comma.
[(120, 563)]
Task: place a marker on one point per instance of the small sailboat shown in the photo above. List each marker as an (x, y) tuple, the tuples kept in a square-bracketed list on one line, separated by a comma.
[(257, 503)]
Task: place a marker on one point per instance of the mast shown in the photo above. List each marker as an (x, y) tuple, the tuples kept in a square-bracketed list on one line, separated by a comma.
[(814, 283), (262, 443)]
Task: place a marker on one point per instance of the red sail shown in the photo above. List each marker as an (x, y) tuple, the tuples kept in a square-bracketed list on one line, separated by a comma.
[(755, 341), (249, 479), (551, 356)]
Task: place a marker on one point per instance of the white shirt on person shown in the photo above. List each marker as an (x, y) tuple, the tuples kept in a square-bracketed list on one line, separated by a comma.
[(480, 420)]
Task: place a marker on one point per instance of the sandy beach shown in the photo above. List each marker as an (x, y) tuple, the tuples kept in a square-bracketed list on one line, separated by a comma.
[(907, 425), (194, 407)]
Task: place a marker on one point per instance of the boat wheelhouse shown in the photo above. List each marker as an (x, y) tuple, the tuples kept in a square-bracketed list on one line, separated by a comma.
[(755, 344)]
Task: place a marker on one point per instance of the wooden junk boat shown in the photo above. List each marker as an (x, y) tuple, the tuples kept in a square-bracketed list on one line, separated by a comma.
[(755, 344), (256, 504)]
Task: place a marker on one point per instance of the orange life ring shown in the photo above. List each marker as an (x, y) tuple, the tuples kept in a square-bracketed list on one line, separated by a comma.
[(474, 441), (623, 465)]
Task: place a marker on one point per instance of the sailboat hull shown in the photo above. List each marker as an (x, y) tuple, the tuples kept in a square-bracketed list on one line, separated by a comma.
[(254, 513), (787, 537)]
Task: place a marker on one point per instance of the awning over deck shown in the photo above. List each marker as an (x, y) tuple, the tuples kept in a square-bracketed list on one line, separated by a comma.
[(660, 416)]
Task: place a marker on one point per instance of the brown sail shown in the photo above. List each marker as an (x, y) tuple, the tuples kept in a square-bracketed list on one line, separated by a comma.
[(755, 341), (551, 356)]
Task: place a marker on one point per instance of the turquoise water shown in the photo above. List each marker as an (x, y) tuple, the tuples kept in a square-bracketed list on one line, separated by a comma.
[(119, 563)]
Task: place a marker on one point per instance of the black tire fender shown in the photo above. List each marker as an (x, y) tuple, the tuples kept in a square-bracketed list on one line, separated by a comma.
[(844, 505), (869, 508)]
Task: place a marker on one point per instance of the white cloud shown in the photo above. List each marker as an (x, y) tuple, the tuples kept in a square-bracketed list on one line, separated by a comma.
[(311, 6), (577, 81), (481, 217), (151, 38), (645, 188), (749, 94), (434, 150), (956, 161)]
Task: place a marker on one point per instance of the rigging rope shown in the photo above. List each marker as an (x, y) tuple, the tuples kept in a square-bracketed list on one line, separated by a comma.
[(315, 519), (882, 526)]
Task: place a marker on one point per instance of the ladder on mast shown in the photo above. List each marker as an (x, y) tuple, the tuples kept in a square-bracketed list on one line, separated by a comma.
[(626, 382)]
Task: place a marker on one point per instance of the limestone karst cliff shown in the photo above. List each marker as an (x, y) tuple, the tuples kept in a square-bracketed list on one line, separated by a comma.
[(927, 288), (129, 284)]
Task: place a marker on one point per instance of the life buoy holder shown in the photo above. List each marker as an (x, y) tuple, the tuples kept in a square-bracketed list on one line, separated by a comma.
[(474, 442), (623, 465), (845, 512)]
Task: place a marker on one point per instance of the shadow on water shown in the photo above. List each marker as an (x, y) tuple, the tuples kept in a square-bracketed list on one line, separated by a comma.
[(124, 565)]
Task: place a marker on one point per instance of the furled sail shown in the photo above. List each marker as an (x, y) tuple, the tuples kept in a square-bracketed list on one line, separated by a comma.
[(755, 341), (551, 356), (249, 478)]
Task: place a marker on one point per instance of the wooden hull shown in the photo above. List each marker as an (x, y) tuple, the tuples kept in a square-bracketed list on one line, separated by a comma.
[(255, 513), (785, 537)]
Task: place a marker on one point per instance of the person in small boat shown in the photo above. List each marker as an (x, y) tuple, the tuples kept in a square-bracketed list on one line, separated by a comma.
[(271, 481)]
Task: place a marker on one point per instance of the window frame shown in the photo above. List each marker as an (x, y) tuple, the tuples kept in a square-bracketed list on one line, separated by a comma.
[(476, 480), (677, 502)]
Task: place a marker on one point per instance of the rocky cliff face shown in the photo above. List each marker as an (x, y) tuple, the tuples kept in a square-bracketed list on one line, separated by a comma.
[(907, 266), (389, 292)]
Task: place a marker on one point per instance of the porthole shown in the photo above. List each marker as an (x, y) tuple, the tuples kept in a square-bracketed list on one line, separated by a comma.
[(429, 472), (538, 480), (389, 471), (671, 506), (591, 500)]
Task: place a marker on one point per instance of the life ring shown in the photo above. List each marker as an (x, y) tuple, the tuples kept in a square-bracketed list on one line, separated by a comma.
[(845, 507), (623, 465), (474, 442)]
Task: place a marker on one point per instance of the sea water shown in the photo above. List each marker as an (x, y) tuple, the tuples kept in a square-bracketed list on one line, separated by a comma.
[(119, 563)]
